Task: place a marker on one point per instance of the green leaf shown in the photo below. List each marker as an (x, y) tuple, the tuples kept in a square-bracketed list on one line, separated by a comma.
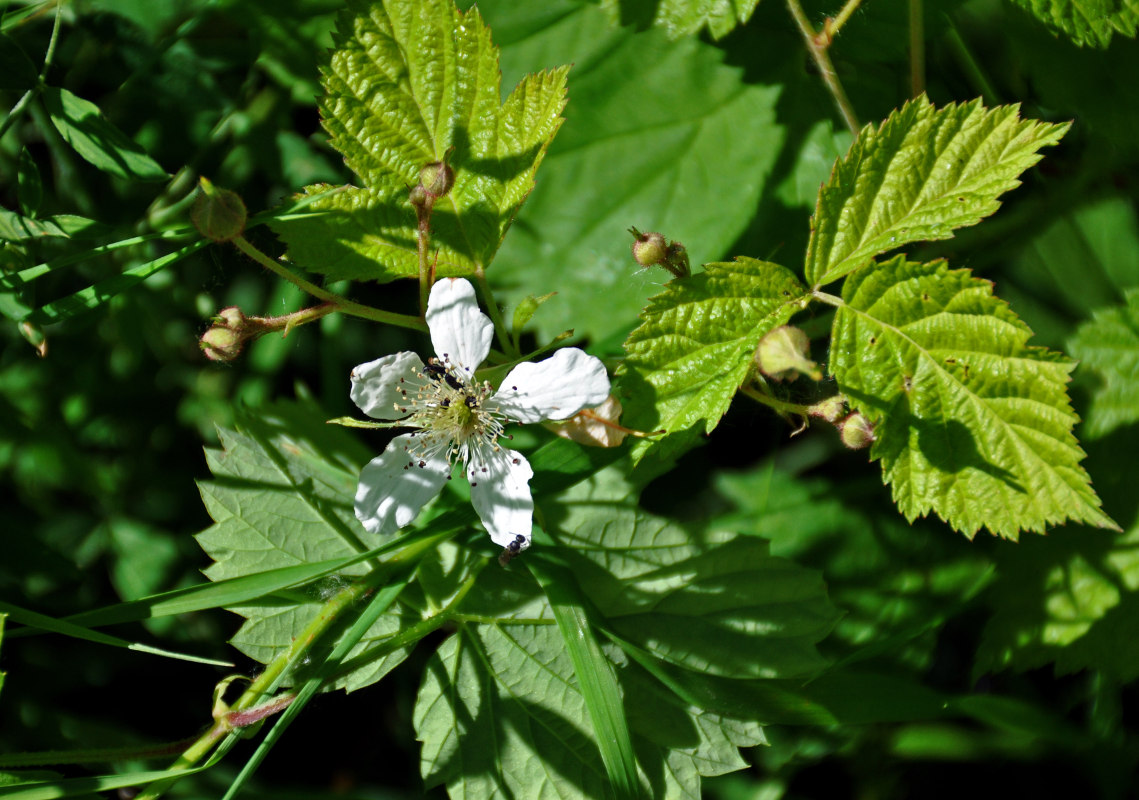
[(17, 72), (500, 713), (715, 603), (31, 185), (280, 500), (972, 423), (1109, 346), (83, 126), (695, 344), (924, 172), (686, 17), (1086, 22), (662, 135), (407, 83)]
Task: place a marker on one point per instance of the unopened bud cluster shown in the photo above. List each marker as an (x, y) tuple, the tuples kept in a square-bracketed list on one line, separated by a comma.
[(653, 250)]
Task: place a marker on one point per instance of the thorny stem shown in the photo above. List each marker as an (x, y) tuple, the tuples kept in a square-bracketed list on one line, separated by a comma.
[(422, 238), (342, 304), (32, 93), (817, 47), (833, 25), (917, 49)]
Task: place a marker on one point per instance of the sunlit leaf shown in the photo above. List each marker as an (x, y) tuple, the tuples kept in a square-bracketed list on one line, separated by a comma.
[(695, 344), (922, 173), (972, 423), (406, 84)]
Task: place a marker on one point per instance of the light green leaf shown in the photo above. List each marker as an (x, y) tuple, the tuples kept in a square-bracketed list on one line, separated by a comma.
[(924, 172), (407, 82), (972, 423), (1109, 346), (686, 17), (1090, 22), (83, 126), (695, 344), (659, 134), (500, 713)]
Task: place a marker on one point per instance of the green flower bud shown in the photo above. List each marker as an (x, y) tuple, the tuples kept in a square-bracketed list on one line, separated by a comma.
[(856, 431), (437, 179), (830, 409), (218, 214), (649, 249), (227, 335), (785, 353)]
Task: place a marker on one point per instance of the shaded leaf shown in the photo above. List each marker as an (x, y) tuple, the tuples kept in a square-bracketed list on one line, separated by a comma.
[(1086, 22), (662, 135), (83, 126), (1109, 346), (406, 83), (924, 172), (1071, 599), (686, 17), (972, 423), (17, 72), (500, 713), (695, 344)]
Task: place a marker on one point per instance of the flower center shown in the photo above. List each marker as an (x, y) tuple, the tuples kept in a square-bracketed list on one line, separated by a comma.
[(449, 407)]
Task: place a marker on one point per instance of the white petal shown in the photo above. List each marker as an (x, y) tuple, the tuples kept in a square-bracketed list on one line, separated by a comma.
[(500, 492), (393, 487), (378, 386), (556, 388), (460, 333)]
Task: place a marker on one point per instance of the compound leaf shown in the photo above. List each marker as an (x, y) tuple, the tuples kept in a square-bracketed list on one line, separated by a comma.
[(695, 344), (972, 423), (925, 172), (1109, 345), (1087, 22), (411, 84)]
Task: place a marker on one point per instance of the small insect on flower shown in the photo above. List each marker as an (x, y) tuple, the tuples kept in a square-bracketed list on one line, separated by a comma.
[(512, 550), (454, 416)]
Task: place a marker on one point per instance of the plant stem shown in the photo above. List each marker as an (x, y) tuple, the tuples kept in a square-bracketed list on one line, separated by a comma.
[(832, 26), (422, 237), (781, 406), (829, 299), (32, 93), (817, 47), (276, 669), (917, 49), (495, 314), (342, 304), (972, 69)]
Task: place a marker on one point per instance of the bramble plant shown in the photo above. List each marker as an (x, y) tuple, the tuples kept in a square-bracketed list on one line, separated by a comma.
[(630, 589)]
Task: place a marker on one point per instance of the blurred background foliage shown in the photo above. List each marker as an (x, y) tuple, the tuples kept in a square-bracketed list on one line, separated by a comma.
[(720, 144)]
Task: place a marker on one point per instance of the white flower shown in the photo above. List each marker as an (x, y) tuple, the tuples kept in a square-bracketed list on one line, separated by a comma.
[(455, 416)]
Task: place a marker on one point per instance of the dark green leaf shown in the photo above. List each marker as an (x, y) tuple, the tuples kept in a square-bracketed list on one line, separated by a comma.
[(83, 126)]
